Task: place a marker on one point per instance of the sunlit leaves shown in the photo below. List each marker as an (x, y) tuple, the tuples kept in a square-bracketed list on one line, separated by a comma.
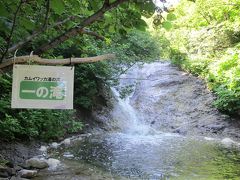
[(167, 25), (57, 6), (171, 17), (205, 41)]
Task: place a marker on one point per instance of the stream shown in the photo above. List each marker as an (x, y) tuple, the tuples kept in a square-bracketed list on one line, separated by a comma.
[(166, 128)]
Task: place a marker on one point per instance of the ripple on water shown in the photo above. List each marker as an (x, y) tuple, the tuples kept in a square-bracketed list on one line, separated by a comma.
[(164, 155)]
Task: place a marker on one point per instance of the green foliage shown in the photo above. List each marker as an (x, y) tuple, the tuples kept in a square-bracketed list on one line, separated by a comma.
[(35, 16), (57, 6), (228, 100), (52, 124), (124, 31), (167, 25), (204, 41), (171, 17), (27, 124)]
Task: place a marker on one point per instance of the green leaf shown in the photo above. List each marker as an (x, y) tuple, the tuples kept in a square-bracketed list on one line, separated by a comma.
[(28, 24), (3, 11), (171, 17), (95, 5), (147, 8), (167, 25), (111, 29), (58, 6), (141, 25)]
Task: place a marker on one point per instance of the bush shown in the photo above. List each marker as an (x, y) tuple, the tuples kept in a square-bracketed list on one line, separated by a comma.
[(205, 42)]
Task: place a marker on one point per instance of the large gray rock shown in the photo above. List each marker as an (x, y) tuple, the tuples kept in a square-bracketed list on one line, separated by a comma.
[(53, 163), (36, 163), (43, 148), (3, 173), (6, 172), (66, 142), (228, 143), (27, 173), (54, 145)]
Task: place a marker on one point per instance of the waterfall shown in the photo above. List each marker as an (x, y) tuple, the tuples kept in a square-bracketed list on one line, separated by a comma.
[(128, 120)]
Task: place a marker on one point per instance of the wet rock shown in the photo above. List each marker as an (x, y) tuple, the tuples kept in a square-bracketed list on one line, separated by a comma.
[(19, 152), (36, 163), (68, 155), (6, 171), (77, 139), (175, 101), (66, 142), (3, 173), (18, 168), (9, 164), (27, 173), (43, 148), (53, 163), (227, 142), (216, 127), (54, 145), (180, 131)]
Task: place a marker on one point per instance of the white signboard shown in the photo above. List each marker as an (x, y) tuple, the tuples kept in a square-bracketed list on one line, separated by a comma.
[(42, 87)]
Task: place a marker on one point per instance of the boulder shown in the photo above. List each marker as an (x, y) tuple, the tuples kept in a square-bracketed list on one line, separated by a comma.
[(66, 142), (6, 171), (53, 163), (54, 145), (27, 173), (43, 148), (3, 173), (227, 142), (36, 163)]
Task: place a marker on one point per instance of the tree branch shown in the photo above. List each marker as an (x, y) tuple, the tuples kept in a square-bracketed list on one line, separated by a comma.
[(91, 33), (38, 32), (75, 30), (12, 30), (47, 15), (38, 60), (106, 2)]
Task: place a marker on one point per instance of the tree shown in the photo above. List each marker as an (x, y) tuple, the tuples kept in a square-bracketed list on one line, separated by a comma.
[(39, 26), (57, 29)]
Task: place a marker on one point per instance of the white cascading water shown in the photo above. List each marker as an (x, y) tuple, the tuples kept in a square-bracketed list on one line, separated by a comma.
[(126, 117)]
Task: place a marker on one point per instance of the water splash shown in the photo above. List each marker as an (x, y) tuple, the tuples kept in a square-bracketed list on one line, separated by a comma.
[(127, 119)]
